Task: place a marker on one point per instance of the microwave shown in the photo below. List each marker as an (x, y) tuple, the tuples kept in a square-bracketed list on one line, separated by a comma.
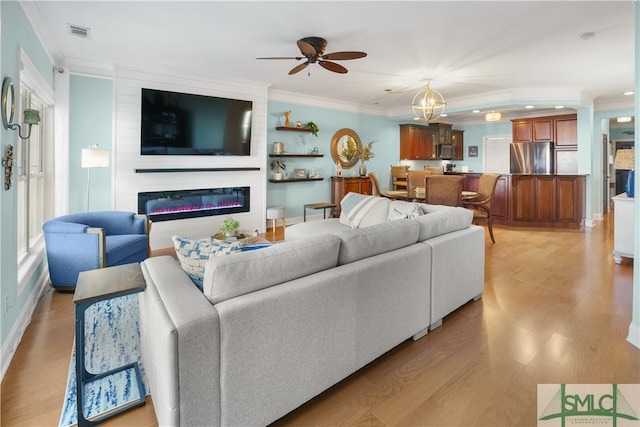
[(446, 151)]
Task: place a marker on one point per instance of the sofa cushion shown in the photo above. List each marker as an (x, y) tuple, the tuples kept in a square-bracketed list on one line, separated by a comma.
[(399, 209), (194, 254), (377, 239), (228, 277), (443, 221), (355, 207), (303, 230)]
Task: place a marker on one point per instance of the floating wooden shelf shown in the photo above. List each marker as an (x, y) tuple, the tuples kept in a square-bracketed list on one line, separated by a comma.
[(295, 155), (280, 181), (289, 128)]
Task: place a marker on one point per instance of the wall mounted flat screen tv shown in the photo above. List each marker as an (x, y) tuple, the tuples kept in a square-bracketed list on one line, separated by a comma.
[(194, 125)]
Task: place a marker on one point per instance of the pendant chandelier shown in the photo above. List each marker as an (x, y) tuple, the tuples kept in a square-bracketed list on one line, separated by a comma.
[(428, 105)]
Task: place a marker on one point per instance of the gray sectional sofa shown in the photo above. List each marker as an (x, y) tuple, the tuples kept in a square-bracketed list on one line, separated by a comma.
[(275, 327)]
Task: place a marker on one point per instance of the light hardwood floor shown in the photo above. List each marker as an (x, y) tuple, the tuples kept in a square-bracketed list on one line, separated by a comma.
[(555, 309)]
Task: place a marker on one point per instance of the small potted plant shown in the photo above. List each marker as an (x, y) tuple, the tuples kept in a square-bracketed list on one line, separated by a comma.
[(278, 166), (365, 153), (229, 226), (313, 128)]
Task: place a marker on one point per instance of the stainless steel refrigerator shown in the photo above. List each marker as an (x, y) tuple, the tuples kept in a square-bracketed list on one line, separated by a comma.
[(532, 158)]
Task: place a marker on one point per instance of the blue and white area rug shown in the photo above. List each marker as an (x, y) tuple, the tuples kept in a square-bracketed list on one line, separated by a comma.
[(112, 339)]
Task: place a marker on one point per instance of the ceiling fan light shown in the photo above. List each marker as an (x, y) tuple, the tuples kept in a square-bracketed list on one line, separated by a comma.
[(493, 116), (428, 105)]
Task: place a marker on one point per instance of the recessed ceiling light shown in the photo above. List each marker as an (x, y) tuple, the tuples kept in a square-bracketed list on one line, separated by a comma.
[(559, 107), (475, 111), (443, 115), (628, 93), (528, 107)]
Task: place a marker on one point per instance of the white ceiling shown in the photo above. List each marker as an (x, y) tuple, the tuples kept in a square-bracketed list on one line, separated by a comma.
[(476, 53)]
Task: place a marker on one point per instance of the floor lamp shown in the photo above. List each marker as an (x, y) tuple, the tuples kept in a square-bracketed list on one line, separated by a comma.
[(92, 157)]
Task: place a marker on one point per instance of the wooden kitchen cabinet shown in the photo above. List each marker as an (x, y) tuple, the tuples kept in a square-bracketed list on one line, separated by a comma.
[(542, 130), (522, 130), (341, 185), (566, 131), (501, 199), (533, 198), (561, 130), (570, 199), (566, 160), (417, 143), (536, 200), (441, 133), (548, 200), (457, 140)]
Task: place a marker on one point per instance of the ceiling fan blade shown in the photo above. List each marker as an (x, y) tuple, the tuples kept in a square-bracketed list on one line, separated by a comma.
[(306, 48), (298, 68), (344, 55), (282, 57), (332, 66)]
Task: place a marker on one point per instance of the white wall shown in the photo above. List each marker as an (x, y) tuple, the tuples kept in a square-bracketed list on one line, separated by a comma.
[(127, 158)]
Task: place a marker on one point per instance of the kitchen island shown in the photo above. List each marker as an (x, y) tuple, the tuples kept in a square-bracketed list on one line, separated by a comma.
[(555, 201)]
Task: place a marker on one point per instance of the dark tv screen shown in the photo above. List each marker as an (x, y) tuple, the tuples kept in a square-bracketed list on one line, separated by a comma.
[(192, 125)]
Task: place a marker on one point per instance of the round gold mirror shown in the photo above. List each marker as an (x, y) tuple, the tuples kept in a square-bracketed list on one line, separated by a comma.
[(8, 102), (344, 147)]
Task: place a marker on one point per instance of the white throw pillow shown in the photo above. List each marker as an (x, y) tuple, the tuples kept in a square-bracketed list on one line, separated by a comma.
[(399, 209), (354, 208), (194, 254)]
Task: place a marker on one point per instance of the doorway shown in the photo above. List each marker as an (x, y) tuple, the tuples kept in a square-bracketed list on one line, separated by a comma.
[(621, 175)]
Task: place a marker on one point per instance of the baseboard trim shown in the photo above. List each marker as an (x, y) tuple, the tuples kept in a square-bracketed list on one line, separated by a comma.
[(634, 334), (10, 345)]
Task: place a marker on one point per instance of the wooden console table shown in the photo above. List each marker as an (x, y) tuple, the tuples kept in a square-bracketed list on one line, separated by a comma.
[(341, 185), (93, 286)]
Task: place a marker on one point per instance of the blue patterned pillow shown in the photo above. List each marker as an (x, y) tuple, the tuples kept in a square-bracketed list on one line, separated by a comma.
[(194, 254)]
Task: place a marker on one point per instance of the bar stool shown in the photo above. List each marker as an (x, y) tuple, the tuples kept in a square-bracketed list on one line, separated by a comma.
[(274, 213)]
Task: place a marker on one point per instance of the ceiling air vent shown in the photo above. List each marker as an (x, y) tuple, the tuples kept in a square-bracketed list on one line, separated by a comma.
[(76, 30)]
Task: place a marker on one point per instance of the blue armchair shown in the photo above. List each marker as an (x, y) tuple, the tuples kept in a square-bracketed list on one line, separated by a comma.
[(91, 240)]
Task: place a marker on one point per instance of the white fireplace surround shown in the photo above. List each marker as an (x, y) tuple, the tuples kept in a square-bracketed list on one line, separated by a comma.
[(127, 183)]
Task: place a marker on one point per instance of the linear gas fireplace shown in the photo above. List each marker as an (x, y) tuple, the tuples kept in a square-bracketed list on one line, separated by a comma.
[(170, 205)]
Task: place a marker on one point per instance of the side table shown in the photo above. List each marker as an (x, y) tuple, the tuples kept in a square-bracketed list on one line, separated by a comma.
[(93, 286), (322, 205), (623, 231)]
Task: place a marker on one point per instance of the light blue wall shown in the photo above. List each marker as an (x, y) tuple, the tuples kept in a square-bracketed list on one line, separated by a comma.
[(90, 122), (16, 33), (368, 127), (474, 135), (623, 132)]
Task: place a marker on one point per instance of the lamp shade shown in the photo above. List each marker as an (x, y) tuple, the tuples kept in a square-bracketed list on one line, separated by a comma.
[(625, 159), (95, 158)]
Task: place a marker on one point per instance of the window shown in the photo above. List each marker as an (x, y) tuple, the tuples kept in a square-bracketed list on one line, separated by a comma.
[(34, 170), (30, 182)]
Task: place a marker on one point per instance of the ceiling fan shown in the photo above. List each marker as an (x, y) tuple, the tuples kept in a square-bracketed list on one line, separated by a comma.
[(313, 50)]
